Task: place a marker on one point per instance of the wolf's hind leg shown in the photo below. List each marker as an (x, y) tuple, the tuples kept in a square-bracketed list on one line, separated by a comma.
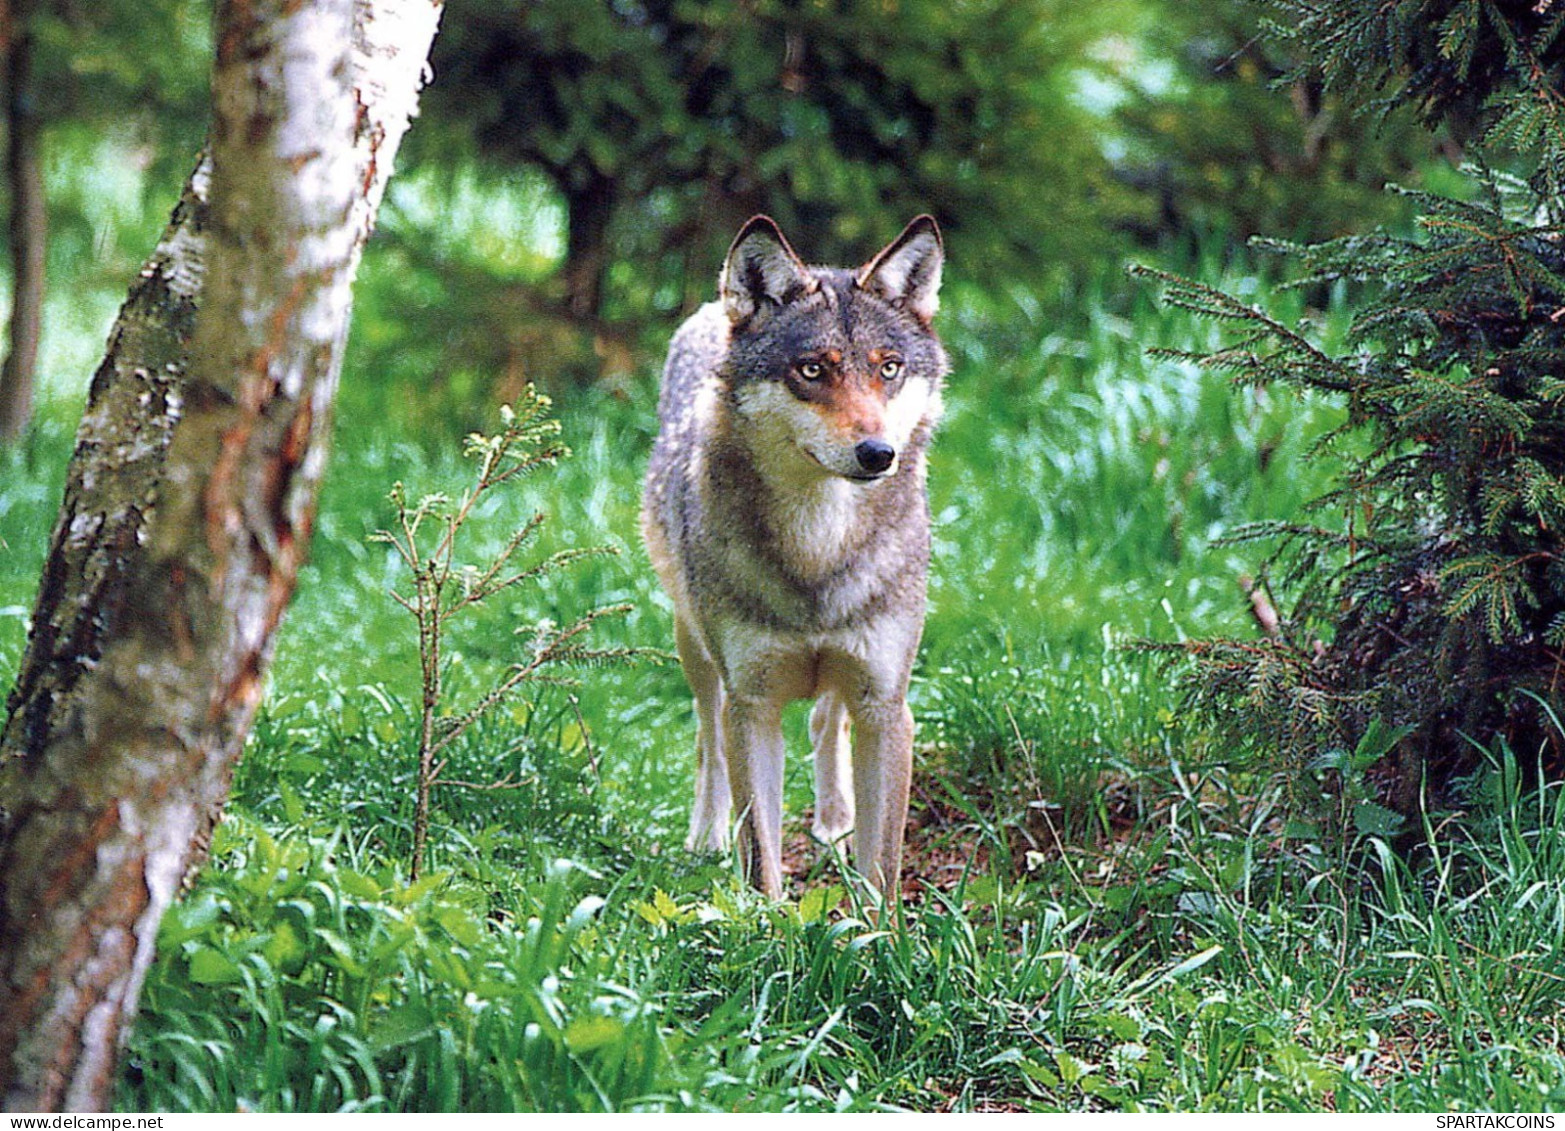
[(833, 770), (882, 772), (710, 814)]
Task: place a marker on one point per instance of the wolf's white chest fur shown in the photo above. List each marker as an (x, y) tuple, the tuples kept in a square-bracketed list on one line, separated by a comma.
[(814, 525)]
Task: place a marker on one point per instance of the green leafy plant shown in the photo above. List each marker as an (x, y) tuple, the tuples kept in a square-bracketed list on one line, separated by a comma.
[(1352, 789), (305, 974), (442, 588)]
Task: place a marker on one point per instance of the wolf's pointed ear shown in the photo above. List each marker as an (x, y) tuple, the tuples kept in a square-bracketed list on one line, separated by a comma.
[(907, 272), (761, 268)]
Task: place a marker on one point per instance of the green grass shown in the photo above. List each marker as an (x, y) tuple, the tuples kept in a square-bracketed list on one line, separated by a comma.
[(1188, 951)]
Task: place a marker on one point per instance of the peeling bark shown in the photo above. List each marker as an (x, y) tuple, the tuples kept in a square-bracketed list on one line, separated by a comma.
[(187, 512)]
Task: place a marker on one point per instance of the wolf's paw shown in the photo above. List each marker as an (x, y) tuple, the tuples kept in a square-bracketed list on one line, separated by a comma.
[(832, 826)]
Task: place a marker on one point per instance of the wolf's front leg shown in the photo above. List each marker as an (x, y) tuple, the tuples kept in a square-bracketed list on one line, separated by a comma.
[(709, 815), (882, 772), (753, 743)]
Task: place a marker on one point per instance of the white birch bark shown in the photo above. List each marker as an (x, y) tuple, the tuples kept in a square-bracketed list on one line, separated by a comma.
[(187, 513)]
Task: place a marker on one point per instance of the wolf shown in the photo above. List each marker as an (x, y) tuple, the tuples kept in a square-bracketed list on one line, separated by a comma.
[(786, 515)]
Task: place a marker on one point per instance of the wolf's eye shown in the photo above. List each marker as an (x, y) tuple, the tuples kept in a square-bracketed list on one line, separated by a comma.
[(890, 370), (811, 370)]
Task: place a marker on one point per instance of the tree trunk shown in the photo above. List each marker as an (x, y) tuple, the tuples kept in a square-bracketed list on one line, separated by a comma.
[(28, 224), (187, 511), (588, 209)]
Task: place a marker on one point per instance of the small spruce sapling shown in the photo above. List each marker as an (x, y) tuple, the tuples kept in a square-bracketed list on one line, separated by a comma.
[(441, 587)]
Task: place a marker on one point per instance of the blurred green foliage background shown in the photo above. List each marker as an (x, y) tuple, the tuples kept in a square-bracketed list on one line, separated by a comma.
[(580, 167)]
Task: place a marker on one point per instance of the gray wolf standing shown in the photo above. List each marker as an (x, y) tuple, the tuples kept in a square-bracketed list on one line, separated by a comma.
[(785, 514)]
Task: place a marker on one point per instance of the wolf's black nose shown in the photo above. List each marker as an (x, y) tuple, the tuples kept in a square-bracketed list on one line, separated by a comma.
[(875, 456)]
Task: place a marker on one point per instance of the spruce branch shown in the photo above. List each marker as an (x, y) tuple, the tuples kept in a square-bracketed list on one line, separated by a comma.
[(1294, 359)]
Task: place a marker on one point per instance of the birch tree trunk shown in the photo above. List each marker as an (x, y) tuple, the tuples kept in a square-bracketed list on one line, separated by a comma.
[(187, 511)]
